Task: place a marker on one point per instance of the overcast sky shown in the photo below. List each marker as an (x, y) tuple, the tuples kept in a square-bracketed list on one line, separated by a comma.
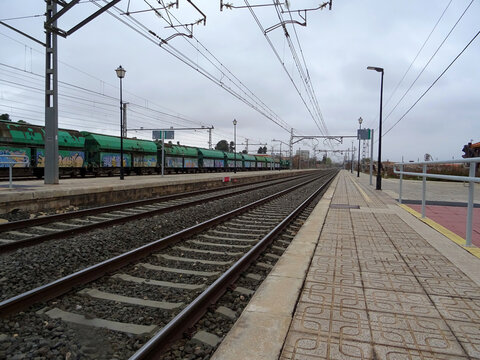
[(336, 46)]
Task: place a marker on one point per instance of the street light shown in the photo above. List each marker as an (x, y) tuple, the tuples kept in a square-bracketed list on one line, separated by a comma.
[(235, 144), (353, 154), (379, 175), (121, 74), (360, 120)]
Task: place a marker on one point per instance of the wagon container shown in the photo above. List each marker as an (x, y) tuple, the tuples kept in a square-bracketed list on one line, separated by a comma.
[(261, 162), (276, 162), (190, 158), (173, 158), (249, 162), (103, 154), (211, 160), (29, 140), (230, 160)]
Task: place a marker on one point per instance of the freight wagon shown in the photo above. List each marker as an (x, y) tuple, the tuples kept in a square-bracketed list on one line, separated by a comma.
[(82, 153), (103, 155), (29, 140)]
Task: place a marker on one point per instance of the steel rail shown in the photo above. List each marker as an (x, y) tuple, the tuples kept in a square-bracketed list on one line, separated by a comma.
[(21, 224), (174, 330), (65, 284), (35, 240)]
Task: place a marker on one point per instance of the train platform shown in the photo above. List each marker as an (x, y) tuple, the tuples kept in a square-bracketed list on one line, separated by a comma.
[(36, 196), (363, 279)]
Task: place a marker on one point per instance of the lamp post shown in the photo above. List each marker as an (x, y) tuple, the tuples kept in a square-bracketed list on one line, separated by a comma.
[(379, 174), (235, 145), (353, 154), (360, 120), (121, 74)]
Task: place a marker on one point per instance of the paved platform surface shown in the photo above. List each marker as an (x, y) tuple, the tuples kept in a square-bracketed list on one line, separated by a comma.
[(380, 284)]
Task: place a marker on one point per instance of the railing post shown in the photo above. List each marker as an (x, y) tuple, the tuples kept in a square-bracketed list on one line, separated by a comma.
[(10, 185), (424, 189), (471, 187), (401, 185)]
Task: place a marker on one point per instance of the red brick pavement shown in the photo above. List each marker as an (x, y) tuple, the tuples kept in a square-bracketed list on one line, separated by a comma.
[(453, 218)]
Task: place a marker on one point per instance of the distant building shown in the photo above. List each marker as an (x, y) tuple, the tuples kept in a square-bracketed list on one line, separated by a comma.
[(304, 154)]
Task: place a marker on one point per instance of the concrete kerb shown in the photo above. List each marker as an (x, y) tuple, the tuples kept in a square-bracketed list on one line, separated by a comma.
[(260, 331)]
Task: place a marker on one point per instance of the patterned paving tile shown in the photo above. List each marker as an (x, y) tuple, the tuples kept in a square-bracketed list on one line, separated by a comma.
[(414, 332), (394, 353), (389, 267), (444, 287), (344, 323), (469, 335), (304, 346), (383, 281), (368, 254), (400, 303), (448, 272), (325, 294), (342, 277), (460, 309), (412, 248)]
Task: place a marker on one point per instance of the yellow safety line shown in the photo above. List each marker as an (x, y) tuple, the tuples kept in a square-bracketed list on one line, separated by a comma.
[(364, 194), (443, 230)]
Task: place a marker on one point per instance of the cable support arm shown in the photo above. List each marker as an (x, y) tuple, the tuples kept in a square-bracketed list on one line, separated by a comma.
[(320, 7), (283, 23), (203, 15), (172, 128), (230, 6), (330, 137), (68, 6), (280, 141), (166, 7), (22, 33)]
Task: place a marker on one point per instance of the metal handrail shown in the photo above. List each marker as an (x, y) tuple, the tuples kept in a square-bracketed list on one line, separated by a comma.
[(471, 179), (11, 164)]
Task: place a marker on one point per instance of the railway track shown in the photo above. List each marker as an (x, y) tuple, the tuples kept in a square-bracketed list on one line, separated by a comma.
[(146, 291), (23, 233)]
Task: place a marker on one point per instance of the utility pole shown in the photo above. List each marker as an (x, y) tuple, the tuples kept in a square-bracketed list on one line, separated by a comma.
[(353, 153), (51, 97), (124, 119), (210, 138), (246, 144), (283, 142), (291, 148)]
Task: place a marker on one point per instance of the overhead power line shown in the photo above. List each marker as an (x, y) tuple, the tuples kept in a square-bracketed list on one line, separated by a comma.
[(429, 61), (244, 94), (426, 91), (418, 53)]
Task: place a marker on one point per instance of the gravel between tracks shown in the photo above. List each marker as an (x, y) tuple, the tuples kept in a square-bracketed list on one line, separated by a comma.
[(34, 266)]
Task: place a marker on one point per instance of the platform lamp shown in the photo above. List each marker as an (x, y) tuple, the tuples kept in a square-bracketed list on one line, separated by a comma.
[(121, 74), (235, 145), (360, 120), (379, 174)]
